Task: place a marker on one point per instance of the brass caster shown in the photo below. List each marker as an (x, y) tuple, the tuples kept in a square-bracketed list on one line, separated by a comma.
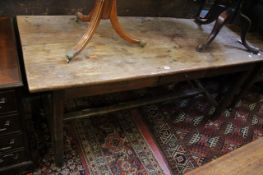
[(70, 55)]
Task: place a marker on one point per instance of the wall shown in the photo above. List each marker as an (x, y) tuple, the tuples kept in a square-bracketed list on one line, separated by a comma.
[(174, 8)]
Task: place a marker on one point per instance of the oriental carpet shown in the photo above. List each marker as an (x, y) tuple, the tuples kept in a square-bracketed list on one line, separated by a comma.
[(168, 138), (188, 140)]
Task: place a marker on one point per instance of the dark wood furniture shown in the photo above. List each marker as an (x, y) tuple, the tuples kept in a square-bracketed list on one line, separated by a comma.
[(257, 15), (105, 67), (256, 75), (14, 155), (245, 160), (224, 11)]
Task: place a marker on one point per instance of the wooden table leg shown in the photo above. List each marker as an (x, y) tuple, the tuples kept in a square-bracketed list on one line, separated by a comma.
[(212, 14), (222, 19), (57, 126), (253, 76), (103, 9), (245, 24), (232, 92), (224, 13), (95, 20)]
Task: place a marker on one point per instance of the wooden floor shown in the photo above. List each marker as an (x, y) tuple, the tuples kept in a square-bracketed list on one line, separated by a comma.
[(247, 160)]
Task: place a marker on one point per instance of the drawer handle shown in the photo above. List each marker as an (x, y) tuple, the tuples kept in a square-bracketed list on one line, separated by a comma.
[(6, 148), (2, 100), (14, 156), (12, 141), (3, 129), (7, 123)]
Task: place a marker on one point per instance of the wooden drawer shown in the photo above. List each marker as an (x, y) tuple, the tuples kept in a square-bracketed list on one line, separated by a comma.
[(9, 124), (11, 142), (12, 157), (7, 101)]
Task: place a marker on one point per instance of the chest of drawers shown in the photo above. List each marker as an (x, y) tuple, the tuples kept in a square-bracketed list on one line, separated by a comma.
[(14, 154)]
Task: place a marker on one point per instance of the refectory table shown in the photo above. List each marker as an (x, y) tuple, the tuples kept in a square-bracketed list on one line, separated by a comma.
[(109, 64)]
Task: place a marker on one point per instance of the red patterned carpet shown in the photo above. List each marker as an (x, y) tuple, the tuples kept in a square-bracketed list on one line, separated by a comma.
[(189, 141), (113, 145), (118, 144), (123, 143)]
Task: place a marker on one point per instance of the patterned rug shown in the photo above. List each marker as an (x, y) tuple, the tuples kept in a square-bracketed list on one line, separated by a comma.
[(121, 143), (189, 141), (115, 144), (74, 163)]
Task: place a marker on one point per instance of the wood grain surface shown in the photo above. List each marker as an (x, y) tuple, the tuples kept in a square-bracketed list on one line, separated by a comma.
[(9, 66), (170, 50), (243, 161)]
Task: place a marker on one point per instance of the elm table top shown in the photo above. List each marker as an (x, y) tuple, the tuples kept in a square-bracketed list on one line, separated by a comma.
[(107, 58)]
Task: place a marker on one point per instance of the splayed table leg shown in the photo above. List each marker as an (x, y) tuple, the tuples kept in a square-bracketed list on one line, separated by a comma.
[(223, 12), (211, 15), (223, 18), (104, 9)]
